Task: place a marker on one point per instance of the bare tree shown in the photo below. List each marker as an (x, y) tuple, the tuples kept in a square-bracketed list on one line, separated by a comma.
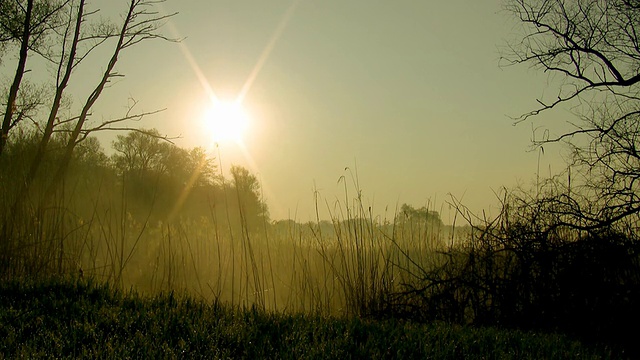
[(593, 48), (141, 23), (75, 34), (26, 23)]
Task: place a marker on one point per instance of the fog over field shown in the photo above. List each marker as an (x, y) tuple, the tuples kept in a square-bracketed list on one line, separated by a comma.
[(473, 163), (412, 94)]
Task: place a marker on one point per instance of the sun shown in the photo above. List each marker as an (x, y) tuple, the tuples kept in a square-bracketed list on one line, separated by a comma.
[(226, 121)]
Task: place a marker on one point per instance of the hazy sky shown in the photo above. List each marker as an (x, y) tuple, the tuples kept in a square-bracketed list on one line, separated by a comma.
[(409, 91)]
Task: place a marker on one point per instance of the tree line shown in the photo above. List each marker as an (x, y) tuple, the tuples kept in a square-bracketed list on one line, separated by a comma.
[(156, 176), (564, 256)]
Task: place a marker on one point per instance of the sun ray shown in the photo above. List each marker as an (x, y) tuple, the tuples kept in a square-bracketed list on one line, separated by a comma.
[(266, 52), (264, 55), (193, 64)]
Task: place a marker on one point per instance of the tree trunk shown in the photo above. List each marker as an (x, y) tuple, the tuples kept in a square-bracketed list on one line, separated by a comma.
[(48, 131), (73, 140), (22, 63)]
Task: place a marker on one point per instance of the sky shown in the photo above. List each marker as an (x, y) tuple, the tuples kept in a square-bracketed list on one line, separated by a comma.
[(409, 95)]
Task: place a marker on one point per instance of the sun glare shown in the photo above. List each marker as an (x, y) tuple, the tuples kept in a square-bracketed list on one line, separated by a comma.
[(226, 121)]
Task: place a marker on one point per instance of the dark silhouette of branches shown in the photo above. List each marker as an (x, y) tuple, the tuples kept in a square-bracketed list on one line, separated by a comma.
[(593, 47), (28, 25), (592, 44), (73, 33)]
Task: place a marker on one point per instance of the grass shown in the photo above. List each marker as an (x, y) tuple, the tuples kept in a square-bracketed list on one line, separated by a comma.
[(357, 286), (81, 319)]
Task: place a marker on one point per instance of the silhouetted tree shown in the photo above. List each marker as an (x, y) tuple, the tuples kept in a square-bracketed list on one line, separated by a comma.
[(138, 153), (253, 211), (193, 168), (65, 33), (27, 24), (140, 23), (409, 214), (591, 47), (156, 169)]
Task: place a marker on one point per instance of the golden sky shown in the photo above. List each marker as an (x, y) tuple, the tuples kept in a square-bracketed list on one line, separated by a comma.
[(408, 91)]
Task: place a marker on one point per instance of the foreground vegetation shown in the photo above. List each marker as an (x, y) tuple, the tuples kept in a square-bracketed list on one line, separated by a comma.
[(72, 319), (561, 258), (195, 232)]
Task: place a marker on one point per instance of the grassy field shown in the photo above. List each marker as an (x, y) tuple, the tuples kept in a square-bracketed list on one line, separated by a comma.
[(80, 319)]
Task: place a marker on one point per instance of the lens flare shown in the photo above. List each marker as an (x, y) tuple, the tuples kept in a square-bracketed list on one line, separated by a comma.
[(226, 121)]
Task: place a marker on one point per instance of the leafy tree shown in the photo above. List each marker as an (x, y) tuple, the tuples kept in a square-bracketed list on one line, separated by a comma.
[(252, 210), (158, 170), (90, 152), (145, 151), (139, 152), (201, 167), (193, 168), (409, 214)]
